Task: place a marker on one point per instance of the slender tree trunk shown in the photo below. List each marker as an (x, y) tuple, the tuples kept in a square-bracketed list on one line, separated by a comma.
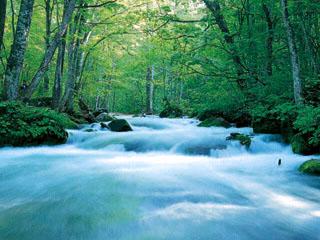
[(18, 49), (67, 99), (270, 37), (149, 89), (215, 8), (3, 7), (67, 15), (297, 89), (308, 48), (56, 92), (48, 9)]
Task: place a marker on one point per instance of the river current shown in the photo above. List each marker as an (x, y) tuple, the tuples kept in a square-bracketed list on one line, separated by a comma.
[(167, 179)]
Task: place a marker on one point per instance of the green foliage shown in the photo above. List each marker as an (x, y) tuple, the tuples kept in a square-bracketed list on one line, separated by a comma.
[(25, 125), (307, 124), (171, 111), (214, 122), (311, 167)]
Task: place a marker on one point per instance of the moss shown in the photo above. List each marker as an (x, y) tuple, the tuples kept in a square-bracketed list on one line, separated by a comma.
[(244, 140), (171, 111), (311, 167), (215, 122), (300, 145), (23, 125)]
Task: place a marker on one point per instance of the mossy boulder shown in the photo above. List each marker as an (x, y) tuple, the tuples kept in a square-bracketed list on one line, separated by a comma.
[(23, 125), (104, 117), (215, 122), (240, 117), (119, 125), (301, 145), (171, 111), (311, 167), (244, 140)]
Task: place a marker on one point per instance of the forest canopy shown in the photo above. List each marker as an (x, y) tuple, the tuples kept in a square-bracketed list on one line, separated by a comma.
[(137, 56)]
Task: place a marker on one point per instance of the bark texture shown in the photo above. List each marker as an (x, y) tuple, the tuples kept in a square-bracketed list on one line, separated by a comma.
[(3, 7), (18, 49), (149, 90), (293, 53), (270, 37), (67, 16)]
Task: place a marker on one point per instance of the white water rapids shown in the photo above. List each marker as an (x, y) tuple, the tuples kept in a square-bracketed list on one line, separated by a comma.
[(168, 179)]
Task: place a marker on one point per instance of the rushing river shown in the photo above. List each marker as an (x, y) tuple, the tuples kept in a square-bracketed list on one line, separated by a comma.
[(168, 179)]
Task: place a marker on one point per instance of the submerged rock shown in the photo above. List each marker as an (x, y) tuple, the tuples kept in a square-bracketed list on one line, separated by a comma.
[(215, 122), (90, 130), (311, 167), (23, 125), (244, 140), (119, 125)]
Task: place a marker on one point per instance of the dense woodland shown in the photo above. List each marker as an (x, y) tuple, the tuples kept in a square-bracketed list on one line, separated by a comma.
[(251, 62)]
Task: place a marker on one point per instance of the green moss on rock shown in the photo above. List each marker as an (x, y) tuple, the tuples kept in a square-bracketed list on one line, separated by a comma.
[(171, 111), (311, 167), (23, 125), (215, 122), (244, 140)]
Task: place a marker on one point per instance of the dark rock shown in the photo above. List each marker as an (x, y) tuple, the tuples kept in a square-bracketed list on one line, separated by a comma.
[(119, 125), (311, 167), (215, 122), (90, 130), (103, 125)]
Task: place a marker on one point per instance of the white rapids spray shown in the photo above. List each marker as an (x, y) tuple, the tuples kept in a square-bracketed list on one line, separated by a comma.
[(168, 179)]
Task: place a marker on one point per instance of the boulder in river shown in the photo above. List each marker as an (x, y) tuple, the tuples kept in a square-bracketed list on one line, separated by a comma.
[(215, 122), (119, 125), (311, 167), (244, 140)]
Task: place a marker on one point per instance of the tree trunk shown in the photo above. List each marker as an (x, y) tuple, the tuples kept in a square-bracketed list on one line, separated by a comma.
[(67, 15), (3, 7), (56, 92), (149, 89), (270, 37), (293, 53), (18, 49), (48, 9), (215, 8), (66, 104)]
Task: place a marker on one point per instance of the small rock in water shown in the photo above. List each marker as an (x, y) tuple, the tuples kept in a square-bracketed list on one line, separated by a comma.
[(119, 125)]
